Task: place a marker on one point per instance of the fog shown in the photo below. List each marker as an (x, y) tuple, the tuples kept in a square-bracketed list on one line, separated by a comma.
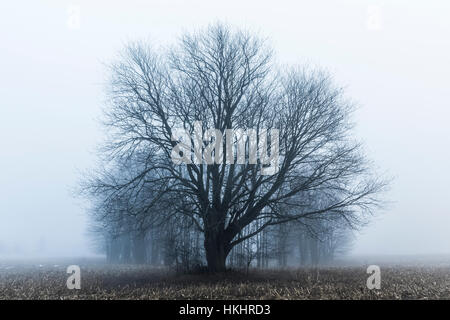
[(392, 57)]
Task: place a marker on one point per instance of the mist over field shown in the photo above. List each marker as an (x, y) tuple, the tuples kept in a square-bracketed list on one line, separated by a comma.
[(391, 57)]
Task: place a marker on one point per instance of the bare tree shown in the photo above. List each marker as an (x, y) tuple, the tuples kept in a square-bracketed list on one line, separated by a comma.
[(225, 79)]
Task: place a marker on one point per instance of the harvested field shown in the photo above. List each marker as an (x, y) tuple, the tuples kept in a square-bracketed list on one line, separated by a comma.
[(99, 281)]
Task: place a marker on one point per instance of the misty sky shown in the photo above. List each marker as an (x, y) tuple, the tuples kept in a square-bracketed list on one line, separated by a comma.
[(392, 56)]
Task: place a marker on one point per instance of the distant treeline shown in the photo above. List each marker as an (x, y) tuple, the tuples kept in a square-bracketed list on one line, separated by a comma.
[(178, 243)]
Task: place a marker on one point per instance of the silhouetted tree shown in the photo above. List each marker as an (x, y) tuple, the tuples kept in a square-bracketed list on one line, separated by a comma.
[(226, 80)]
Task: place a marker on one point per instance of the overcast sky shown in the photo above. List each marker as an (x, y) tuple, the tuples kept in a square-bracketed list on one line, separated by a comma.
[(392, 56)]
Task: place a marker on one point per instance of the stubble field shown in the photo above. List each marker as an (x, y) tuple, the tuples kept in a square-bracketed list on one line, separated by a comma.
[(47, 280)]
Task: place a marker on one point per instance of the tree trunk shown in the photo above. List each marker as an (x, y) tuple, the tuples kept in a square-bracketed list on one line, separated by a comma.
[(126, 249), (216, 252), (155, 248), (314, 248), (139, 249)]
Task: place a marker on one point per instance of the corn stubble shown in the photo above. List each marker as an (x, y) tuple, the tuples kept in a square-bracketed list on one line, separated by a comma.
[(144, 282)]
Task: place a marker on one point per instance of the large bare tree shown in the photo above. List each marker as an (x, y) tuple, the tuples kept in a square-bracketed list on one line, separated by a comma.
[(221, 78)]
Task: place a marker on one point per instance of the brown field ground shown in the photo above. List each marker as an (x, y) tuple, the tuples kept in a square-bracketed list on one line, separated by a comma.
[(26, 280)]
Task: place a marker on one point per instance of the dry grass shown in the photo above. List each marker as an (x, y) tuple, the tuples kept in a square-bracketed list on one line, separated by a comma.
[(24, 281)]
